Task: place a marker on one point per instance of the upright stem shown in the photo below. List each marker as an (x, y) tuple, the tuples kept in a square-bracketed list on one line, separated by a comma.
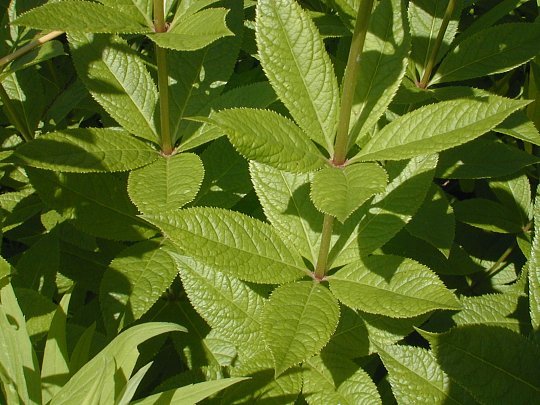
[(163, 80), (437, 46), (342, 136), (13, 116)]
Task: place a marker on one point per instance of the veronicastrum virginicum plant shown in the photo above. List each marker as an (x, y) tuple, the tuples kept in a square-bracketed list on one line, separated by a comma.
[(384, 258)]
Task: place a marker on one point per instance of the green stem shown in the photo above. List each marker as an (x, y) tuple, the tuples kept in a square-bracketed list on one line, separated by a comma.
[(342, 136), (163, 80), (13, 116), (437, 46)]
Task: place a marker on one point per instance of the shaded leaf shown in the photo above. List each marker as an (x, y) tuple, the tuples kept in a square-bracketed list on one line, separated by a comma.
[(489, 215)]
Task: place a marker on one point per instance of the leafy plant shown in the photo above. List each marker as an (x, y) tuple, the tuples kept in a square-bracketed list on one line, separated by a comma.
[(365, 232)]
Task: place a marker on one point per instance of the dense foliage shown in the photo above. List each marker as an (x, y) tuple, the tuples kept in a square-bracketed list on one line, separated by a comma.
[(271, 201)]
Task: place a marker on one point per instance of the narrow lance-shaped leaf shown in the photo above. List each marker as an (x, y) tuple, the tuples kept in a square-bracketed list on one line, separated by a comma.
[(437, 127), (534, 269), (231, 242), (267, 137), (86, 150), (295, 60), (167, 184), (298, 320), (80, 16), (340, 191), (494, 364), (118, 80), (392, 286)]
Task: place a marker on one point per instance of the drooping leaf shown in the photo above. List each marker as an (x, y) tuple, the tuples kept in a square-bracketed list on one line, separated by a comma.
[(118, 80), (391, 286), (86, 150), (489, 215), (134, 281), (269, 138), (298, 67), (437, 127), (382, 65), (340, 191), (287, 205), (195, 31), (534, 269), (416, 377), (232, 243), (123, 354), (336, 380), (493, 50), (494, 364), (97, 203), (167, 184), (81, 16), (55, 367)]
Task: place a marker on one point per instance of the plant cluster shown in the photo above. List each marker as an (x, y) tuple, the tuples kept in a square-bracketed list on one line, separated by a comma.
[(271, 201)]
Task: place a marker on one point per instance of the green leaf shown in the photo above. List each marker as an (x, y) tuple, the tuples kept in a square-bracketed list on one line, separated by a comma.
[(81, 351), (294, 58), (437, 127), (5, 272), (228, 305), (130, 388), (375, 224), (123, 353), (19, 367), (287, 205), (382, 65), (232, 243), (340, 191), (86, 150), (194, 31), (118, 80), (416, 377), (519, 126), (134, 281), (297, 322), (18, 207), (140, 10), (494, 364), (55, 367), (514, 192), (97, 203), (336, 380), (80, 16), (493, 50), (481, 158), (267, 137), (489, 215), (435, 210), (190, 394), (391, 286), (167, 184), (534, 269)]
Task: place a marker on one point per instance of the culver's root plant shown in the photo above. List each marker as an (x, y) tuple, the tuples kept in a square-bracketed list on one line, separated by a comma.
[(333, 201)]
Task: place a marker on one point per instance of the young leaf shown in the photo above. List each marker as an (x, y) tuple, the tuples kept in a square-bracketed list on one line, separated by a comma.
[(267, 137), (340, 191), (494, 50), (55, 368), (195, 31), (287, 205), (297, 322), (122, 352), (86, 150), (298, 67), (134, 281), (494, 364), (489, 215), (336, 380), (118, 80), (167, 184), (97, 203), (80, 16), (534, 269), (437, 127), (382, 65), (416, 377), (391, 286), (232, 243)]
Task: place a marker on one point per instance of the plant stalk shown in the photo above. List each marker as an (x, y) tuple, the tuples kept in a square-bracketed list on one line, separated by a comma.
[(13, 116), (437, 46), (342, 136), (160, 25), (28, 47)]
